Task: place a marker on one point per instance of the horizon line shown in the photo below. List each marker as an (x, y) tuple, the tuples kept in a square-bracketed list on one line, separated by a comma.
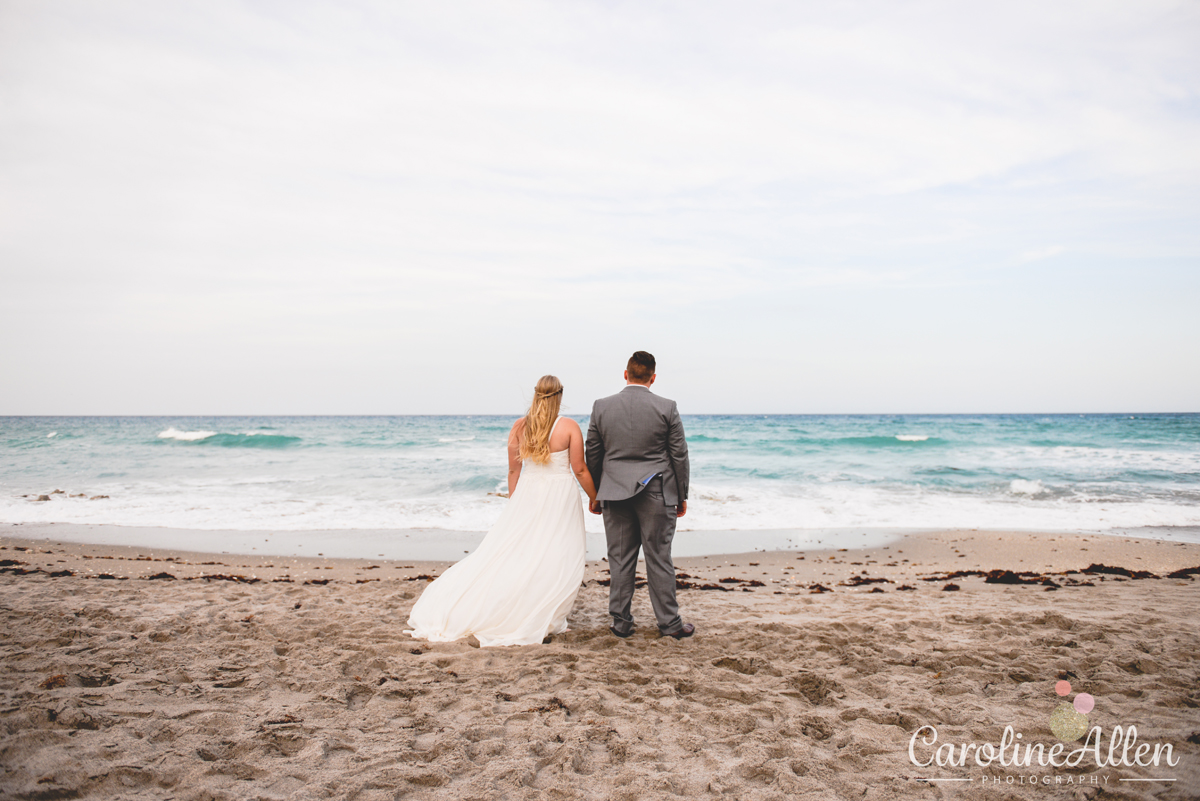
[(588, 414)]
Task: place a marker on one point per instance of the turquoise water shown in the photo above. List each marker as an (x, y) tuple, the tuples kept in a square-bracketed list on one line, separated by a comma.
[(1063, 472)]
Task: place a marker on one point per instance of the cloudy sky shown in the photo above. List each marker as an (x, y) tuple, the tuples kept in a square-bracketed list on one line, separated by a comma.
[(411, 207)]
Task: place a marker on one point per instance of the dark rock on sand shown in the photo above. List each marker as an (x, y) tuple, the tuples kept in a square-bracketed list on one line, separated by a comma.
[(1119, 571), (1007, 577), (862, 581)]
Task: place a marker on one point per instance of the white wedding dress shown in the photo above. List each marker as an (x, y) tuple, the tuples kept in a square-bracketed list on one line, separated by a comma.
[(520, 583)]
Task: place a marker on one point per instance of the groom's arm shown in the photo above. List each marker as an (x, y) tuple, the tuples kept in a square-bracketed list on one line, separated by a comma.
[(677, 451)]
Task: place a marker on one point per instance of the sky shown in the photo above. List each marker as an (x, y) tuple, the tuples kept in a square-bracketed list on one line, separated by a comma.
[(419, 208)]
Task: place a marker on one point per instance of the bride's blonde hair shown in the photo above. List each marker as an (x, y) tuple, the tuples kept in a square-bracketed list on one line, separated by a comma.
[(543, 411)]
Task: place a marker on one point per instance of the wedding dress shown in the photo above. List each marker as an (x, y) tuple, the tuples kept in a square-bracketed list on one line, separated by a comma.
[(520, 583)]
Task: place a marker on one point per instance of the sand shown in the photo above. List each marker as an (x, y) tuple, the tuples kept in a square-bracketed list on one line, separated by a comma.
[(258, 682)]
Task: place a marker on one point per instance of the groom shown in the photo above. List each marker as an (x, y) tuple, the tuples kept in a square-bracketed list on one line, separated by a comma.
[(638, 458)]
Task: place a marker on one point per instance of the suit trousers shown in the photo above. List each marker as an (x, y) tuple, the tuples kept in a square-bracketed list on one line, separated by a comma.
[(644, 522)]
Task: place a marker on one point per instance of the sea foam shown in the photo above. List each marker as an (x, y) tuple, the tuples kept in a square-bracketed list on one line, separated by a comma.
[(186, 436)]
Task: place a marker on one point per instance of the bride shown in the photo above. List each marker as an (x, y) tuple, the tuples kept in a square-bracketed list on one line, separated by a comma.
[(520, 583)]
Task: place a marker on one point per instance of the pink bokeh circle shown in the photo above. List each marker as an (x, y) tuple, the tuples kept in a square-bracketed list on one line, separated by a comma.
[(1084, 703), (1063, 687)]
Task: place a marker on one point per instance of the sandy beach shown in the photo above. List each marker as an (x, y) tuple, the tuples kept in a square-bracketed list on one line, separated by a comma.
[(131, 673)]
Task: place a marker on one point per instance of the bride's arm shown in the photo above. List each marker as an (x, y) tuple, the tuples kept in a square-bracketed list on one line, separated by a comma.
[(514, 455), (578, 464)]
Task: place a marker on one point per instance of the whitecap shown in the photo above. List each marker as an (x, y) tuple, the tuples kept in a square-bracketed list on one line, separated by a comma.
[(455, 439), (52, 434), (912, 437), (1020, 486), (186, 436)]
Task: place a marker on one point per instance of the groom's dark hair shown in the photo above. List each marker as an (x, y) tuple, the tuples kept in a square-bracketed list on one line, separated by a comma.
[(641, 366)]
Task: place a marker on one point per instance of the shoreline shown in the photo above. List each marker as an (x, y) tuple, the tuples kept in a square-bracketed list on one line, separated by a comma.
[(446, 545)]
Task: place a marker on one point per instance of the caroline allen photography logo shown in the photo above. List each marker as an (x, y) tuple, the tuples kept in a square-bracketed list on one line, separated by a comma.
[(1068, 722)]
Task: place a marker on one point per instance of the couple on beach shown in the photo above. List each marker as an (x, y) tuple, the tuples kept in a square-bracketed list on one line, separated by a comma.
[(521, 582)]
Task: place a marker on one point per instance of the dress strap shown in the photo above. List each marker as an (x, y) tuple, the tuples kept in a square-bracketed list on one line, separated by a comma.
[(554, 426)]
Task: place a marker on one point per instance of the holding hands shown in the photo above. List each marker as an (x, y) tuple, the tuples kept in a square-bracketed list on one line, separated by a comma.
[(595, 508)]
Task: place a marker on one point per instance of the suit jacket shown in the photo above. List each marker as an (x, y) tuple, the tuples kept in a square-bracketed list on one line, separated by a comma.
[(633, 434)]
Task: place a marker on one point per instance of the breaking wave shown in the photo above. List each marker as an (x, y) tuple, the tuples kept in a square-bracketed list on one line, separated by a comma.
[(249, 439)]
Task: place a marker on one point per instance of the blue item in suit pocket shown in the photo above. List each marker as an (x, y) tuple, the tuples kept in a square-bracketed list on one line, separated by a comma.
[(648, 479)]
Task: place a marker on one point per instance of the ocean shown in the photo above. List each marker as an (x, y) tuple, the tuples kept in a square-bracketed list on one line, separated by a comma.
[(1127, 473)]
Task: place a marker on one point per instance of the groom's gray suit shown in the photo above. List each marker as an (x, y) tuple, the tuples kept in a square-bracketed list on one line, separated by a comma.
[(638, 457)]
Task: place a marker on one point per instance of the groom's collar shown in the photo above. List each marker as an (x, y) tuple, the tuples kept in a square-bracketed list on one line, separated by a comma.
[(639, 386)]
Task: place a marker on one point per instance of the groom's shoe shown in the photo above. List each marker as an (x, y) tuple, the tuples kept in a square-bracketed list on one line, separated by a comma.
[(687, 631), (616, 633)]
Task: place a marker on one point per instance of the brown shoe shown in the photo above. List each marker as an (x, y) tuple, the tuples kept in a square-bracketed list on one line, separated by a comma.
[(687, 631)]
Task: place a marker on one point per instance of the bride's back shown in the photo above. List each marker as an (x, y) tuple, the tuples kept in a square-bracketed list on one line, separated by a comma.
[(560, 437)]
